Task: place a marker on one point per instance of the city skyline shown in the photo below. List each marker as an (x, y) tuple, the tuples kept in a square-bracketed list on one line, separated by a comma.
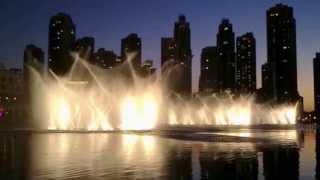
[(151, 46)]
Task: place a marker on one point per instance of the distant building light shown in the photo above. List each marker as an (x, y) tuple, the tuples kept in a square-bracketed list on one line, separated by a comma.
[(226, 28)]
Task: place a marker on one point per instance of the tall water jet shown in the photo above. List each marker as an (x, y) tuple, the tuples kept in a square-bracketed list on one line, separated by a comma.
[(121, 99)]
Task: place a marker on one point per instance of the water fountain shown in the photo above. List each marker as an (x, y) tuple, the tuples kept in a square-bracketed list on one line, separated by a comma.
[(110, 99)]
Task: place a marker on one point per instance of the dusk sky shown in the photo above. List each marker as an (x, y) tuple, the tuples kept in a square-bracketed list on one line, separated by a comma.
[(25, 22)]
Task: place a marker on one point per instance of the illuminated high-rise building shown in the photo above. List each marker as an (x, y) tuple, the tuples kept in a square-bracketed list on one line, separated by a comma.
[(131, 45), (168, 50), (105, 59), (182, 38), (282, 54), (85, 47), (246, 64), (226, 52), (209, 68), (61, 40)]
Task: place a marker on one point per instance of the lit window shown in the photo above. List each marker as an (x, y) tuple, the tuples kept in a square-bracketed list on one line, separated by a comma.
[(207, 60), (284, 47), (226, 28), (206, 67), (225, 42)]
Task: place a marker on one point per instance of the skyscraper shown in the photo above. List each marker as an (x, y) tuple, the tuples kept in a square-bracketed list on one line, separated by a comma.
[(266, 81), (131, 44), (33, 58), (33, 62), (33, 69), (282, 53), (226, 47), (61, 40), (168, 50), (105, 59), (182, 38), (246, 63), (316, 78), (85, 47), (208, 82)]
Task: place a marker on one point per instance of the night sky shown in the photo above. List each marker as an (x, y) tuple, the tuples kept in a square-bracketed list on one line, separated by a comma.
[(25, 22)]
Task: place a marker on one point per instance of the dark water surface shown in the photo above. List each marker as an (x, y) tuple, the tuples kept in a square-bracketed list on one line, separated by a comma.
[(270, 155)]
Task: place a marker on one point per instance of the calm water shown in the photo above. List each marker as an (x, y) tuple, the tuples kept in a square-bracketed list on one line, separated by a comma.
[(285, 154)]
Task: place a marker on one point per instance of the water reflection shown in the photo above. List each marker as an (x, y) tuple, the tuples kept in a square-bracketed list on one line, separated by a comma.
[(145, 156), (14, 152), (281, 162)]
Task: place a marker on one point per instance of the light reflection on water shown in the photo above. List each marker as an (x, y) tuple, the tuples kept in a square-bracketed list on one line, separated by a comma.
[(288, 154)]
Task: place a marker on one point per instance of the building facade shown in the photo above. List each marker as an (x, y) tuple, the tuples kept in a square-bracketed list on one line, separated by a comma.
[(33, 67), (226, 51), (209, 68), (168, 50), (182, 38), (61, 40), (131, 45), (105, 59), (12, 108), (85, 47), (246, 64), (282, 54)]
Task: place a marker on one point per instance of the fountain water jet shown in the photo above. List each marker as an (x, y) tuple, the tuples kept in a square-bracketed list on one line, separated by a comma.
[(120, 99)]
